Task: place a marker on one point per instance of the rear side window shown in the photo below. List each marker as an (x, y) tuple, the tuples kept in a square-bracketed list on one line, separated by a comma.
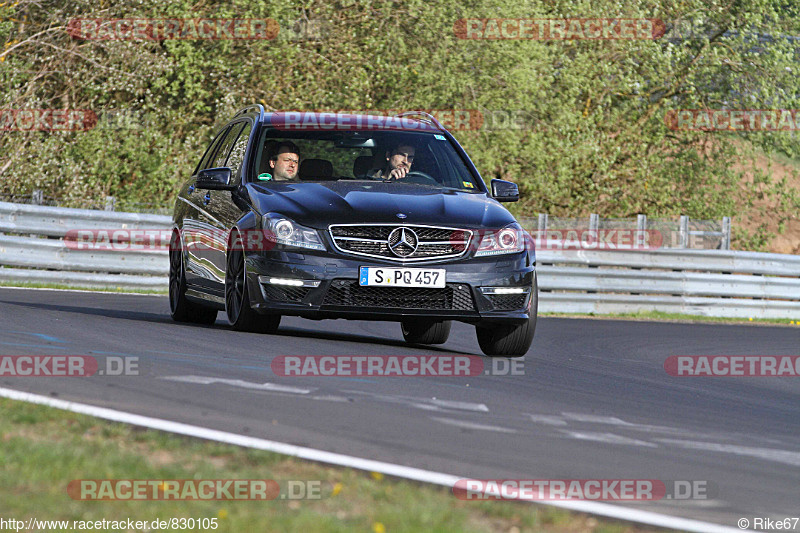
[(210, 151), (225, 147), (236, 158)]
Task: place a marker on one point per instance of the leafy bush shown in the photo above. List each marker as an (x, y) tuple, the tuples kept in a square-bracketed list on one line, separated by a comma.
[(595, 138)]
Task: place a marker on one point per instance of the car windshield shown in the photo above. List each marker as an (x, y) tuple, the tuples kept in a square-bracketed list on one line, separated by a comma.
[(427, 158)]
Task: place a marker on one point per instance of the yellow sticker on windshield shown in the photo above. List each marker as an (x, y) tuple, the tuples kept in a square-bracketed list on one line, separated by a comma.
[(468, 184)]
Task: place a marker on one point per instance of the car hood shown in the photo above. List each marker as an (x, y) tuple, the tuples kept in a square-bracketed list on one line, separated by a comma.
[(318, 204)]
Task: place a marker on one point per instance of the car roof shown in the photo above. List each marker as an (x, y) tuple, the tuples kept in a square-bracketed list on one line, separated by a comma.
[(333, 121)]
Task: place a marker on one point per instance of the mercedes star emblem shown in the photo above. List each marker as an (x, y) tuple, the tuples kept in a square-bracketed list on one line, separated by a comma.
[(403, 242)]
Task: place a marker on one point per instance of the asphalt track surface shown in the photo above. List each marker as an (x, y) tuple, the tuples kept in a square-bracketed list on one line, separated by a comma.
[(594, 402)]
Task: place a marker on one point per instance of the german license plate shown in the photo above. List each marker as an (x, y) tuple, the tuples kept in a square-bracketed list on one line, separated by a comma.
[(401, 277)]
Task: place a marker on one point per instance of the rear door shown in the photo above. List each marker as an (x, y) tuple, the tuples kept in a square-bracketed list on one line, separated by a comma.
[(207, 231), (190, 225), (222, 211)]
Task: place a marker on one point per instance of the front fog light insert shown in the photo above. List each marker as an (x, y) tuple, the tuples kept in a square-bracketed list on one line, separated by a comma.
[(505, 290), (288, 282)]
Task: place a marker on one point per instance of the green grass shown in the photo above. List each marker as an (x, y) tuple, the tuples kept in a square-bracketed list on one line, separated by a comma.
[(26, 285), (43, 449), (658, 316), (780, 157)]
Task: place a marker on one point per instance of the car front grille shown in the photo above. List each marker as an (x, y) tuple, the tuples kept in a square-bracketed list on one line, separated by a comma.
[(348, 293), (401, 242)]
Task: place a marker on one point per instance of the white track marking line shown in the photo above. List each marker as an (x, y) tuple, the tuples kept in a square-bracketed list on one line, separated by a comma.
[(406, 472), (465, 406), (594, 419), (546, 419), (555, 420), (330, 398), (472, 425), (608, 438), (424, 403), (206, 380), (768, 454)]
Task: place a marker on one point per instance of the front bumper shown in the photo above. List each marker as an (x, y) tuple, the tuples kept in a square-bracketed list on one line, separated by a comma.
[(324, 286)]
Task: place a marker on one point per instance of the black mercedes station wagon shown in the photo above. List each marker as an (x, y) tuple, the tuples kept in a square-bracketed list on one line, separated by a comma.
[(323, 215)]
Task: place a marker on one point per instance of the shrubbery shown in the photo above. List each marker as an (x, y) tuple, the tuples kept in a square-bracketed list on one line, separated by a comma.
[(594, 138)]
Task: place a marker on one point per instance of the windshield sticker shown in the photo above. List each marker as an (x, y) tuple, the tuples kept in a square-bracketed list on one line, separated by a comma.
[(265, 176), (439, 137), (468, 184)]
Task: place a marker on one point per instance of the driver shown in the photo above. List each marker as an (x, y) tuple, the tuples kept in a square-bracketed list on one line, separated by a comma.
[(398, 163), (285, 161)]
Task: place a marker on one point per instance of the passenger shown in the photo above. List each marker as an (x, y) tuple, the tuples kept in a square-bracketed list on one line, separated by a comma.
[(398, 163), (285, 162)]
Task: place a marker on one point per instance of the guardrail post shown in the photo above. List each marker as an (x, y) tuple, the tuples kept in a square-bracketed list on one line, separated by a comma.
[(726, 233), (110, 202), (37, 197), (641, 229), (542, 226), (683, 232), (594, 222)]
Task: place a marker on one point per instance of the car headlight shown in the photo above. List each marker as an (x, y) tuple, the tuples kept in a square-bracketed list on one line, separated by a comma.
[(285, 231), (509, 240)]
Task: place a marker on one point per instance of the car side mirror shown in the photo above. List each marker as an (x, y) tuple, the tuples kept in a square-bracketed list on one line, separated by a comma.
[(215, 179), (505, 191)]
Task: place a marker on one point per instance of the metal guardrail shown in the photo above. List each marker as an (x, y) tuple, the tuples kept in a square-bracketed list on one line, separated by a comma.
[(720, 283), (54, 254), (57, 221), (722, 261), (598, 292), (37, 245), (682, 233), (700, 282)]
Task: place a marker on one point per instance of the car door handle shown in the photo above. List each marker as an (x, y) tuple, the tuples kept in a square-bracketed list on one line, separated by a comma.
[(207, 198)]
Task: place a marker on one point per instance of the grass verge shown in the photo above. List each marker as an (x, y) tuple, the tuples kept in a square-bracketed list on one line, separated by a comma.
[(56, 286), (658, 316), (43, 449)]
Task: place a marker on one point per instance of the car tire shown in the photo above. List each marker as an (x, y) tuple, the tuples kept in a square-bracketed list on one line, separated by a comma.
[(181, 309), (500, 340), (513, 340), (424, 332), (241, 315)]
